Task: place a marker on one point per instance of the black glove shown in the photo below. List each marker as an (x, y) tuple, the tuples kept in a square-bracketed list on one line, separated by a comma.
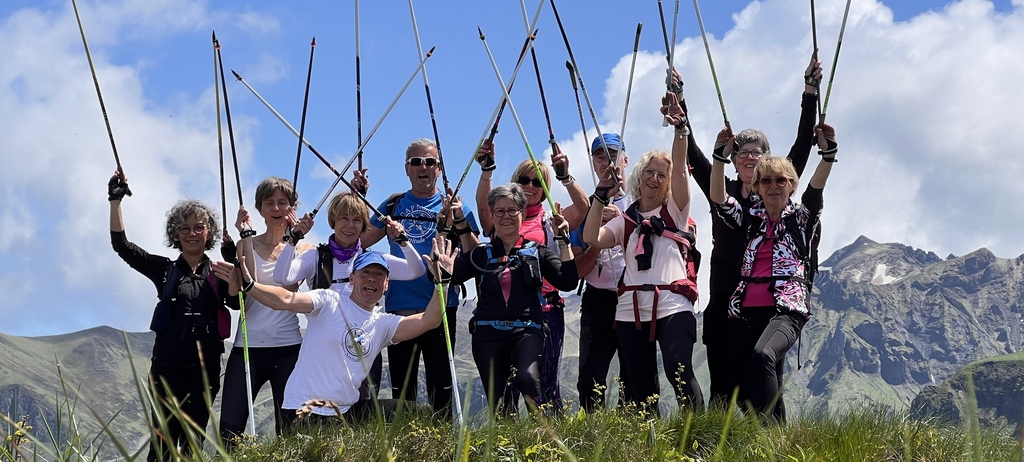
[(829, 153), (228, 251), (117, 188)]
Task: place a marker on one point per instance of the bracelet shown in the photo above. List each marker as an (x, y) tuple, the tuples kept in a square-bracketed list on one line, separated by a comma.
[(248, 233), (596, 197), (567, 181), (249, 286), (682, 130)]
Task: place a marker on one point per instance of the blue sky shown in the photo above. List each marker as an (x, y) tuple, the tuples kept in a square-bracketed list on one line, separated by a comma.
[(925, 94)]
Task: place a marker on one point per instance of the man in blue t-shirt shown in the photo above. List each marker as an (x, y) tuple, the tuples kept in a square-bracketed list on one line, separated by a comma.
[(417, 209)]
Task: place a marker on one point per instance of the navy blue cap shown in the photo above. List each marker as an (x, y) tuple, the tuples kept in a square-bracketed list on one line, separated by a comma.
[(611, 140), (370, 258)]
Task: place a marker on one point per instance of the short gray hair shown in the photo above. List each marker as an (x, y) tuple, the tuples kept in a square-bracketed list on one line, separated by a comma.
[(751, 135), (187, 208), (509, 191), (422, 143)]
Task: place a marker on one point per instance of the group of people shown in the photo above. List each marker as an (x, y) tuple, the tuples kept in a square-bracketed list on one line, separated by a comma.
[(632, 241)]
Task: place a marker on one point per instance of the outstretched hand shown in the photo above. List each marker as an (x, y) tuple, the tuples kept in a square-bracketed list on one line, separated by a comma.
[(560, 162), (227, 272), (812, 75), (827, 145), (672, 110), (724, 145), (441, 261), (558, 222), (360, 181), (674, 84)]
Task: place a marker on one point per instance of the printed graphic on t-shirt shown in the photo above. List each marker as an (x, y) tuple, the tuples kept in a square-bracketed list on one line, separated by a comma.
[(357, 343), (421, 230)]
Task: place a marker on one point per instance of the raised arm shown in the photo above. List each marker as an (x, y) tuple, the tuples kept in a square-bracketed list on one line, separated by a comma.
[(723, 150), (801, 149), (594, 234), (577, 212), (828, 149), (675, 116), (485, 157)]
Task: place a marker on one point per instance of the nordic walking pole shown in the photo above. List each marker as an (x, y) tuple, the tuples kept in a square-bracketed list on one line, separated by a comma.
[(629, 87), (664, 31), (540, 87), (583, 123), (430, 101), (99, 95), (359, 94), (220, 135), (583, 88), (302, 121), (814, 55), (218, 64), (714, 75), (835, 60), (500, 107), (441, 293), (671, 49), (231, 130), (515, 117), (495, 117)]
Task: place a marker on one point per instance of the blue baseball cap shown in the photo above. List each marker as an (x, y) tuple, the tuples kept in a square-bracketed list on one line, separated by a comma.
[(370, 258), (611, 140)]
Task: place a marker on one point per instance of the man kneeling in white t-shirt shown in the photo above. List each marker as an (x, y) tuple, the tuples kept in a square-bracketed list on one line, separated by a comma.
[(344, 333)]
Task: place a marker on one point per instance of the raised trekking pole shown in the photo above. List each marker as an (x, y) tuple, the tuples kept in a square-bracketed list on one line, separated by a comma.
[(629, 87), (220, 135), (671, 49), (583, 123), (219, 69), (714, 75), (664, 31), (359, 94), (540, 85), (456, 402), (430, 101), (500, 107), (814, 54), (583, 88), (835, 60), (99, 95), (302, 121), (515, 117)]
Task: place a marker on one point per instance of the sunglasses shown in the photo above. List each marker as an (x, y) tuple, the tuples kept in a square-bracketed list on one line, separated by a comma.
[(525, 181), (185, 230), (779, 181), (417, 161)]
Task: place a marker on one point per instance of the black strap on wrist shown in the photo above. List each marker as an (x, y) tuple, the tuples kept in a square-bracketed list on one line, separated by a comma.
[(249, 286), (599, 198), (248, 233), (461, 231)]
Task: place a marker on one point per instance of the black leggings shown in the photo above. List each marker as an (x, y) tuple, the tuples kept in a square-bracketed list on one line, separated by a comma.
[(272, 364), (720, 349), (598, 344), (497, 352), (676, 334), (186, 385), (763, 337)]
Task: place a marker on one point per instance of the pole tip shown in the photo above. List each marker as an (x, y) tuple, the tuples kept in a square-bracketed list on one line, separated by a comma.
[(431, 50), (236, 74), (214, 36), (313, 43), (481, 32)]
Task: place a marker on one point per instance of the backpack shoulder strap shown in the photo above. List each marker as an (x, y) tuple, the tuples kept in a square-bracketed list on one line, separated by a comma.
[(392, 203)]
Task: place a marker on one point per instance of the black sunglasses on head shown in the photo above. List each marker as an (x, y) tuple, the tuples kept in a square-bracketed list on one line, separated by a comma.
[(525, 181), (417, 161)]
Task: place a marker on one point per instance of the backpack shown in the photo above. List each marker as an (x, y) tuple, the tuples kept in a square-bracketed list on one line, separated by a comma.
[(525, 259), (324, 277), (806, 247), (162, 315), (687, 243)]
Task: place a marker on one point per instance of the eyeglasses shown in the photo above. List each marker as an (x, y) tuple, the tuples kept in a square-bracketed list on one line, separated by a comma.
[(500, 213), (756, 154), (525, 181), (648, 174), (417, 161), (185, 230), (779, 181)]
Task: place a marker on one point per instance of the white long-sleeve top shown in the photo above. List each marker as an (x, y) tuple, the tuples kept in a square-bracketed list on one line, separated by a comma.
[(291, 268)]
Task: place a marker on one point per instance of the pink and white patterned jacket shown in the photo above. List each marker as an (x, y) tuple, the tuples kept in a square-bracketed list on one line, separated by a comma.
[(791, 295)]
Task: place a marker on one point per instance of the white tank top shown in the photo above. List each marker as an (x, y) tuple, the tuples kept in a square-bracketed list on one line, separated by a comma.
[(267, 327)]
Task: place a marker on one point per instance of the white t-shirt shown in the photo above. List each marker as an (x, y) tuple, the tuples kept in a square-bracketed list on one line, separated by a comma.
[(267, 327), (667, 266), (610, 263), (330, 366), (292, 269)]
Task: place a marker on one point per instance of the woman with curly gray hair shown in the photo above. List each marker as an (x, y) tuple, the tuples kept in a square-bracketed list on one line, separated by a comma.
[(191, 309)]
